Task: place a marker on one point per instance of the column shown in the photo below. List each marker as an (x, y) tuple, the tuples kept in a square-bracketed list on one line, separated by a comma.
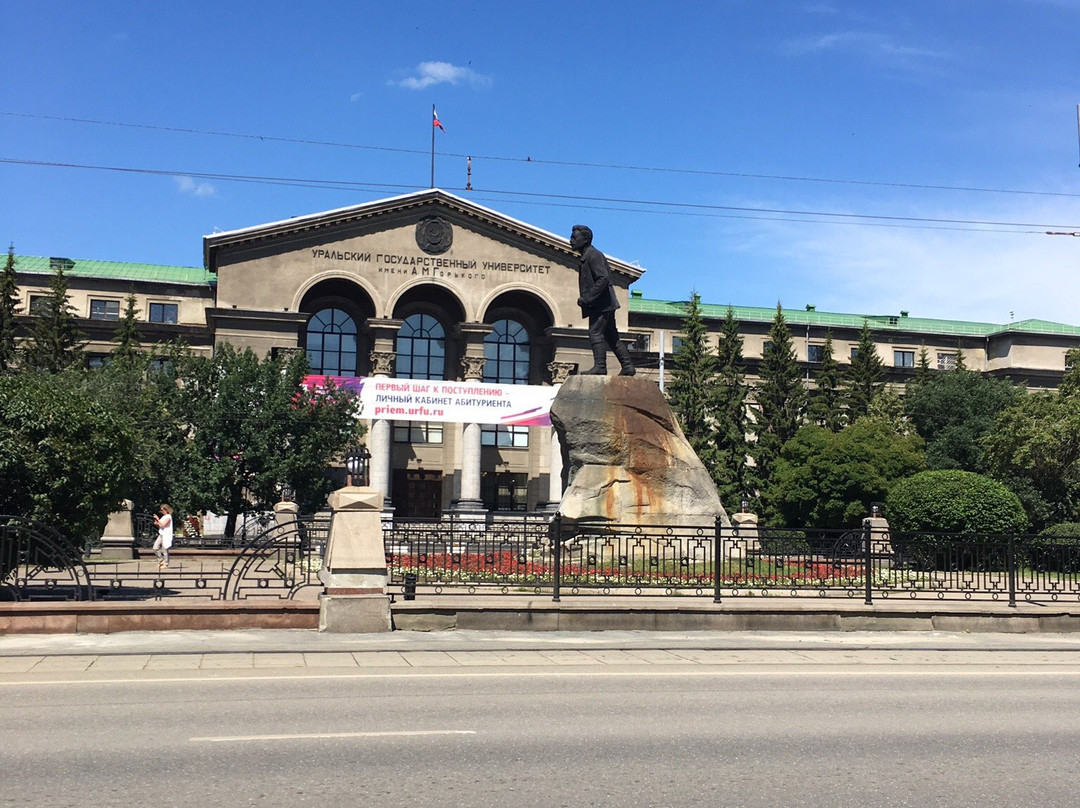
[(380, 437), (472, 366)]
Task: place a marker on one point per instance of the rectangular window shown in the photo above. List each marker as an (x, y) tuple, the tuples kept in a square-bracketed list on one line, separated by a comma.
[(163, 313), (39, 304), (946, 361), (903, 359), (97, 361), (515, 437), (854, 353), (418, 432), (161, 364), (642, 342), (504, 490), (676, 345), (104, 309), (815, 353)]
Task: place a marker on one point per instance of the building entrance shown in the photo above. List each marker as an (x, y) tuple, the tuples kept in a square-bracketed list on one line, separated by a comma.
[(417, 493)]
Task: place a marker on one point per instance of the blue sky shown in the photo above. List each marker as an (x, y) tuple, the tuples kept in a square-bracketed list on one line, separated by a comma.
[(738, 148)]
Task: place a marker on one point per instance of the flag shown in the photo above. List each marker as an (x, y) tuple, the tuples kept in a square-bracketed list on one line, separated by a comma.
[(435, 118)]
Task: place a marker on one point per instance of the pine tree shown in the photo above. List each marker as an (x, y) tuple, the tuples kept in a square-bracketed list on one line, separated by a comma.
[(54, 342), (781, 396), (864, 376), (127, 332), (732, 474), (692, 390), (9, 307), (922, 368), (826, 406)]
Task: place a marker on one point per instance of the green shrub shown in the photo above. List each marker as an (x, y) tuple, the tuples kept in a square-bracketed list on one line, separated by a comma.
[(1056, 549), (1063, 530), (952, 501)]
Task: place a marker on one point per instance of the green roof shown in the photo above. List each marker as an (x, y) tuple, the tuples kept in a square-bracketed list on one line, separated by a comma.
[(116, 270), (878, 322)]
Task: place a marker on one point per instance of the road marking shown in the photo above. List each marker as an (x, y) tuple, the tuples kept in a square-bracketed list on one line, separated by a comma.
[(867, 670), (322, 735)]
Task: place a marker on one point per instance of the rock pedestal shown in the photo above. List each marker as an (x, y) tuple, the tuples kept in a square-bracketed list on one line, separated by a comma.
[(354, 572), (625, 457)]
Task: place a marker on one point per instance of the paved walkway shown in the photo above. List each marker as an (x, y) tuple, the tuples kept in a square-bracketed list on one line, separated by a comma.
[(168, 653)]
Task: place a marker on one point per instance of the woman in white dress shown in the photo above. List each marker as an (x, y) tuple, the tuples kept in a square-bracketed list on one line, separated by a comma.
[(163, 520)]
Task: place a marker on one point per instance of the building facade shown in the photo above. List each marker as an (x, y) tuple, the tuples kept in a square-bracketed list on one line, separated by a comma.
[(432, 286)]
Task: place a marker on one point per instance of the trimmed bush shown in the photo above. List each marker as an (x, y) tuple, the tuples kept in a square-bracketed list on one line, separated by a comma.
[(1056, 549), (952, 501)]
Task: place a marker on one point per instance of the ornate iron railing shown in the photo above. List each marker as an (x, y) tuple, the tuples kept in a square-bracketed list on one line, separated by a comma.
[(530, 554), (37, 563), (511, 553), (281, 562)]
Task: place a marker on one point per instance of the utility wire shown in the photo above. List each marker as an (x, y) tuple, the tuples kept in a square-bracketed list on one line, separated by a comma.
[(644, 205), (532, 161)]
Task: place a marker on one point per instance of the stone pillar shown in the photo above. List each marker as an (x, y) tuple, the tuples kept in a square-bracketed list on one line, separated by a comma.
[(118, 540), (356, 599), (472, 366), (744, 533), (380, 443), (470, 470), (880, 539), (285, 514)]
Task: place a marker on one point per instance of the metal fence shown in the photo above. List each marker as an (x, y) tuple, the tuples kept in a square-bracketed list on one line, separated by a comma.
[(538, 554), (281, 562), (504, 554), (531, 554)]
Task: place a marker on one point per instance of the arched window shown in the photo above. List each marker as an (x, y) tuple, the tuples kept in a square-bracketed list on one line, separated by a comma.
[(331, 343), (421, 354), (421, 348), (506, 350)]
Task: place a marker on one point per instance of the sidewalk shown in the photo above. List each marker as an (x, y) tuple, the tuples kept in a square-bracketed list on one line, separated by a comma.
[(105, 657)]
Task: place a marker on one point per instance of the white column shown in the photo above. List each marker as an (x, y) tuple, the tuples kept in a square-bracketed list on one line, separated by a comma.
[(380, 443), (470, 466)]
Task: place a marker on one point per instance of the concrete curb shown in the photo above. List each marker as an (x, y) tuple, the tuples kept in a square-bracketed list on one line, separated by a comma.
[(519, 613)]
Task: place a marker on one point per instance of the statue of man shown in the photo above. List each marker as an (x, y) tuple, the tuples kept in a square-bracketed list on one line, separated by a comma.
[(596, 297)]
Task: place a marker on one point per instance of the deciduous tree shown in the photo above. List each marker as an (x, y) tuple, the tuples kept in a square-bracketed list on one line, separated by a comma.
[(830, 479)]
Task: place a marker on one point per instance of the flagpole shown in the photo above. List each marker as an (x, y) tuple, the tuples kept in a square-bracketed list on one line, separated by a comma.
[(432, 145)]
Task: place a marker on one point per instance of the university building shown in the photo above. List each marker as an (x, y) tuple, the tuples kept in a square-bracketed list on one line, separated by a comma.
[(431, 286)]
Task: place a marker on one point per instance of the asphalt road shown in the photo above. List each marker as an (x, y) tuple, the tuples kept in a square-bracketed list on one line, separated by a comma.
[(851, 727)]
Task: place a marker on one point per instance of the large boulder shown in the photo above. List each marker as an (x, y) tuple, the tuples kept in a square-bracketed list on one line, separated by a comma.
[(625, 457)]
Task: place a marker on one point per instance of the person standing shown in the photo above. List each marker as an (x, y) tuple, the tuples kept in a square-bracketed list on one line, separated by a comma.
[(164, 522), (596, 297)]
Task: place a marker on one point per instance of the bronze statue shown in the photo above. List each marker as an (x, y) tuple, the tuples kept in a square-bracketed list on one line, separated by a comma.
[(597, 301)]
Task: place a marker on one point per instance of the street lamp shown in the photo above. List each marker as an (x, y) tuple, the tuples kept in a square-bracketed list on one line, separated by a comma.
[(356, 464)]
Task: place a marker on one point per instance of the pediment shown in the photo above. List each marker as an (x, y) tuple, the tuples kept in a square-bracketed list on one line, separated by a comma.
[(343, 223)]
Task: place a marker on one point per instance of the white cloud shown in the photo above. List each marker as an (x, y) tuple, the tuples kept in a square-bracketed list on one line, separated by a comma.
[(863, 43), (187, 185), (428, 74), (978, 275)]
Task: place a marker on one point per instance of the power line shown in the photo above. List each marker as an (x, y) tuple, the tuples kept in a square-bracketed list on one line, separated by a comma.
[(539, 161), (643, 205)]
